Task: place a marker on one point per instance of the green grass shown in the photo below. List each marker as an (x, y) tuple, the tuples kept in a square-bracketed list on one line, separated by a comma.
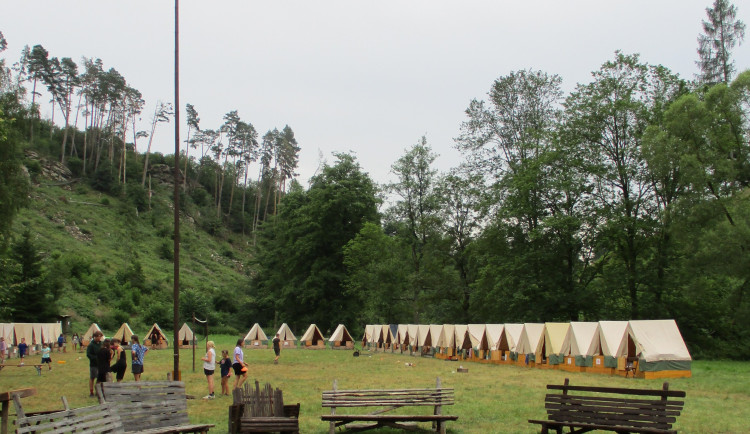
[(489, 399)]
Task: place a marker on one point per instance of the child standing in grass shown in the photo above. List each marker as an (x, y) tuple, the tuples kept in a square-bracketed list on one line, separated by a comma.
[(22, 348), (226, 368), (46, 349)]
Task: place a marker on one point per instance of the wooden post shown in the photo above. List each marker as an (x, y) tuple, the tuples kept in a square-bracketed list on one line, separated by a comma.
[(332, 424), (439, 408)]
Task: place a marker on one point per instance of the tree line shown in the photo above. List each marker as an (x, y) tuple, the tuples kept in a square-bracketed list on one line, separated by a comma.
[(625, 199)]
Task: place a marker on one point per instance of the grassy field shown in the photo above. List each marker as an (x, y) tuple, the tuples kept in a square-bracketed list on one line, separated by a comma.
[(489, 399)]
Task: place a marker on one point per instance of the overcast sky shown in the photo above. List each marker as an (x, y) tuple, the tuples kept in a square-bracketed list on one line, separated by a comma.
[(368, 77)]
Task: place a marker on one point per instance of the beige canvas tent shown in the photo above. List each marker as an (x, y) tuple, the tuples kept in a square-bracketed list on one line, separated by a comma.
[(551, 344), (341, 338), (86, 338), (255, 338), (478, 336), (413, 332), (38, 334), (6, 331), (462, 338), (288, 340), (156, 338), (611, 336), (530, 343), (581, 344), (186, 336), (493, 334), (313, 338), (401, 337), (50, 332), (124, 333), (367, 337), (660, 349), (377, 336), (447, 337)]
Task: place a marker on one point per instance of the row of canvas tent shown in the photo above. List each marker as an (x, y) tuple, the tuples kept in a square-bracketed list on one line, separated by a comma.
[(33, 333), (154, 338), (311, 339), (654, 347)]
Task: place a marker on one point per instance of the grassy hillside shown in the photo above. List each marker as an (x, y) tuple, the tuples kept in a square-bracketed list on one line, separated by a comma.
[(109, 263)]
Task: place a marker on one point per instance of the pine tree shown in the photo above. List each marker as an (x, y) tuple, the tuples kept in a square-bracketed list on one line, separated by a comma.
[(721, 33)]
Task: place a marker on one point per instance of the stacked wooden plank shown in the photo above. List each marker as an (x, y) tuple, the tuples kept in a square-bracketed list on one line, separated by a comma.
[(152, 406)]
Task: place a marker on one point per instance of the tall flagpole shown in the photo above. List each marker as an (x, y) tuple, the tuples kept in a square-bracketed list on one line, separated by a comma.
[(177, 183)]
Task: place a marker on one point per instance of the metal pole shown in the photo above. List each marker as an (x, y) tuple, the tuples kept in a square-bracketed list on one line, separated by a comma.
[(177, 183), (193, 341)]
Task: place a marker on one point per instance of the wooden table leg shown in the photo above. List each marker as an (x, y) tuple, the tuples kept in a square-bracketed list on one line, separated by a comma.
[(4, 421)]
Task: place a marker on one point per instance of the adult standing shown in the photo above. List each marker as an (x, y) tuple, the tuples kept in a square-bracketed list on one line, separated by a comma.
[(239, 365), (276, 348), (209, 366), (137, 351), (103, 359), (92, 351), (121, 361)]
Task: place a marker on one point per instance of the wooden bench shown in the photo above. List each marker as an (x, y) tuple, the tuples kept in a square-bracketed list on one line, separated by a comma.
[(261, 410), (87, 420), (154, 407), (387, 400), (611, 409)]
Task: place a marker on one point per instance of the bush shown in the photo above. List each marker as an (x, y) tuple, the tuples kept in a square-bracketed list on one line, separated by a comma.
[(165, 250), (138, 196), (75, 165)]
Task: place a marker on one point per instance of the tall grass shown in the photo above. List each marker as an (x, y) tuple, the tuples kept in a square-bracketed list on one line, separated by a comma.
[(489, 398)]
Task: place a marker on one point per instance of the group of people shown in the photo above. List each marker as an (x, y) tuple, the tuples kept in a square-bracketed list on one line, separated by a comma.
[(23, 351), (226, 365), (101, 354)]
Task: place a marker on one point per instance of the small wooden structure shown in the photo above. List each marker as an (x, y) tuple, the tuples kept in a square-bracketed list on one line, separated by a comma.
[(313, 338), (255, 338), (261, 410), (185, 336), (288, 340), (124, 333), (155, 338), (155, 407), (341, 338), (620, 410), (94, 327), (388, 400), (87, 420), (5, 398)]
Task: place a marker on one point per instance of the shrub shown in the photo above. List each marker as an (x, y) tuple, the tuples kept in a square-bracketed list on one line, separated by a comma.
[(75, 165), (165, 250)]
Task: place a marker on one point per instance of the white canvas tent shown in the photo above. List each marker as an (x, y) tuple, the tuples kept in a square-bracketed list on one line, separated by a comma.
[(6, 331), (38, 334), (581, 342), (611, 336), (367, 337), (511, 336), (658, 345), (255, 338), (462, 339), (341, 338), (477, 334), (185, 335), (493, 333), (423, 335), (413, 331), (530, 343), (402, 335), (377, 335), (447, 337), (288, 340), (124, 333), (313, 337)]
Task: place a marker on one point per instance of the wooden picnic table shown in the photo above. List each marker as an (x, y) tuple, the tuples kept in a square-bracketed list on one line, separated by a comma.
[(5, 398)]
